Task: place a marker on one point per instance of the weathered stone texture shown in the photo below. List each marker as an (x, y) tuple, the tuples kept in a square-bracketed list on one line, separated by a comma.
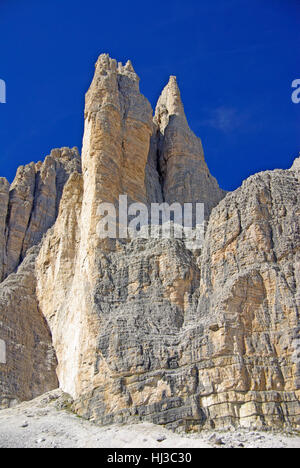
[(296, 165), (30, 364), (118, 126), (32, 205), (28, 208), (224, 349), (147, 329), (4, 197), (250, 287), (65, 303), (185, 175)]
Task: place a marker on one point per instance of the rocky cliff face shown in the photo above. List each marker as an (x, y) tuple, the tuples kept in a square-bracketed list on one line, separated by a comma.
[(29, 206), (146, 329), (30, 364), (185, 175)]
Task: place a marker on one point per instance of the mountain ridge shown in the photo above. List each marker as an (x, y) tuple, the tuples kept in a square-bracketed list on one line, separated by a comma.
[(146, 329)]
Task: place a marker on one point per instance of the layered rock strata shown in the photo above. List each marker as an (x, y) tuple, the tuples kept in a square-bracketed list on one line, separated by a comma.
[(29, 367), (29, 206), (146, 329)]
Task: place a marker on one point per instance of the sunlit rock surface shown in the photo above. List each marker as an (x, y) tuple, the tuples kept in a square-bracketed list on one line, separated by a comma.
[(147, 329)]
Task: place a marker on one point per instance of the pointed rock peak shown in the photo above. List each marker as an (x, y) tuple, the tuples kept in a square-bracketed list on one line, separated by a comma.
[(173, 82), (106, 65), (65, 153), (104, 62), (296, 164), (129, 66), (169, 103), (128, 70)]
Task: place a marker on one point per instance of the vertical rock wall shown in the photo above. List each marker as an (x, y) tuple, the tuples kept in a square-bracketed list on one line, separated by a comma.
[(146, 329), (28, 209)]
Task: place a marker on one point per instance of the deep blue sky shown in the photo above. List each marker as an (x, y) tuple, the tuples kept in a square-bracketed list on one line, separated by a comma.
[(235, 61)]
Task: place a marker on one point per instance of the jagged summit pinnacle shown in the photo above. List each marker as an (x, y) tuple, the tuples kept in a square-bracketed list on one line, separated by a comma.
[(106, 63), (169, 103)]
